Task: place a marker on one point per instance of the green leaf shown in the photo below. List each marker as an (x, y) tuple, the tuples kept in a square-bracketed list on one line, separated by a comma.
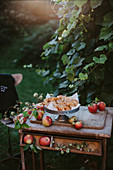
[(108, 19), (64, 84), (75, 13), (25, 114), (79, 45), (25, 125), (105, 33), (56, 74), (53, 42), (65, 59), (70, 70), (71, 26), (65, 33), (95, 3), (47, 52), (17, 125), (76, 61), (72, 19), (33, 148), (82, 46), (71, 52), (80, 3), (61, 12), (76, 44), (45, 73), (35, 113), (42, 55), (71, 77), (61, 48), (38, 147), (26, 147), (83, 76), (100, 60), (101, 48), (61, 28), (88, 65), (46, 46), (110, 45)]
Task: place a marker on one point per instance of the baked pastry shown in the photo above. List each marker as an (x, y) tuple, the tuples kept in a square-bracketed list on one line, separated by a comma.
[(61, 103)]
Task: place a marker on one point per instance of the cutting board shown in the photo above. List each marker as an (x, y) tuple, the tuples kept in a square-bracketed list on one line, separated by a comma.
[(89, 120)]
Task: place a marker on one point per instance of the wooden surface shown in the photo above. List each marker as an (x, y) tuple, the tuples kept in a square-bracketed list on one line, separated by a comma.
[(70, 131), (89, 120)]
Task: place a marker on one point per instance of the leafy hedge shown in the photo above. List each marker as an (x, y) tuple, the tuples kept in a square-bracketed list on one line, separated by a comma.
[(80, 55)]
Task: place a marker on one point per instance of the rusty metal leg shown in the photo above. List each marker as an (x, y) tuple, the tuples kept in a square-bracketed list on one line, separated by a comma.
[(41, 160), (9, 149), (33, 157), (104, 154), (22, 158)]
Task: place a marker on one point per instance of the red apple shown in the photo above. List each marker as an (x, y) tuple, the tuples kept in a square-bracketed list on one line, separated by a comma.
[(92, 108), (29, 112), (28, 139), (22, 116), (78, 125), (44, 141), (47, 121), (101, 105), (40, 107), (40, 115)]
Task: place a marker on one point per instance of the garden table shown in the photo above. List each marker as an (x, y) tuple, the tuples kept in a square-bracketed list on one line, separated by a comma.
[(94, 141)]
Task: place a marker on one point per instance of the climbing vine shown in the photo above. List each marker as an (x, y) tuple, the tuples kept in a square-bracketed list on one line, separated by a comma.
[(79, 56)]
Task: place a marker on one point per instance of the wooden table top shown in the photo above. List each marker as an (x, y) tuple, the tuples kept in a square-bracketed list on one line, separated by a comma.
[(70, 131)]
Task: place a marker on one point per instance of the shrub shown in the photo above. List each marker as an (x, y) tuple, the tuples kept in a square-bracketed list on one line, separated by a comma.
[(80, 55)]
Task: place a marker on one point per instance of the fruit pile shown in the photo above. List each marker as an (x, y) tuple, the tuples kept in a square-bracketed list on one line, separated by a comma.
[(93, 107)]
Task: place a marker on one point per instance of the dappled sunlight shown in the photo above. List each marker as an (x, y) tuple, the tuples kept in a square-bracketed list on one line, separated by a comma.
[(37, 11)]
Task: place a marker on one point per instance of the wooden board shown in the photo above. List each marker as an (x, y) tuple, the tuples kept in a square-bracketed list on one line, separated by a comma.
[(89, 120), (92, 120)]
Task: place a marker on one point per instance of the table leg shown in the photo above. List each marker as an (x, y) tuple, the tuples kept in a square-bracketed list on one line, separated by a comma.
[(9, 149), (41, 160), (22, 158), (33, 157), (104, 154)]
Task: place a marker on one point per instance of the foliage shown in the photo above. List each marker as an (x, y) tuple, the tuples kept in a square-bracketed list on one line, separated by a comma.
[(79, 56), (34, 42), (24, 20), (32, 146)]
